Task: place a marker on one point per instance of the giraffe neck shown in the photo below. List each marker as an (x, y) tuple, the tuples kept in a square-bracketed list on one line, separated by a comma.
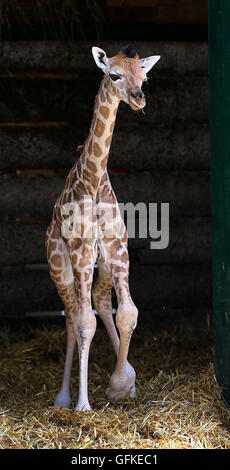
[(93, 160)]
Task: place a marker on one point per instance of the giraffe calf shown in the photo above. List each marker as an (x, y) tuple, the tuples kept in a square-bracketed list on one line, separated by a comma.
[(72, 253)]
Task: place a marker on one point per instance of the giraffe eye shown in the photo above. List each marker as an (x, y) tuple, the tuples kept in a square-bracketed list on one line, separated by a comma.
[(114, 77)]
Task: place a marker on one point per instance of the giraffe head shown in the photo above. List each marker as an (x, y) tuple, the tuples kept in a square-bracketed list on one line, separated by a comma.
[(125, 74)]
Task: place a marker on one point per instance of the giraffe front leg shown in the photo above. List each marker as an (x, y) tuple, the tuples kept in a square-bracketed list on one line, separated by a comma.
[(122, 381), (103, 303), (85, 323), (85, 329)]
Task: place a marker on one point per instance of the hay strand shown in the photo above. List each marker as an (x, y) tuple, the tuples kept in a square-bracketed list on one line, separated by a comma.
[(178, 404)]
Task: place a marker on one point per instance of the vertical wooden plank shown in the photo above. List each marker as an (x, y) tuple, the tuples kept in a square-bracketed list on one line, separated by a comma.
[(219, 72)]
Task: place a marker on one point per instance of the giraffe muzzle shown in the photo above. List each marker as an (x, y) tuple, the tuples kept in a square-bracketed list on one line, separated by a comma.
[(136, 99)]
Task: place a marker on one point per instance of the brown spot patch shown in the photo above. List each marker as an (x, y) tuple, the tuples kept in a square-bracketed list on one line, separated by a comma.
[(119, 269), (86, 276), (74, 259), (90, 146), (100, 128), (52, 245), (97, 150), (103, 179), (108, 140), (104, 162), (75, 244), (56, 261), (112, 126), (124, 257), (90, 177), (109, 98), (85, 258), (102, 96), (91, 166), (104, 111), (116, 245)]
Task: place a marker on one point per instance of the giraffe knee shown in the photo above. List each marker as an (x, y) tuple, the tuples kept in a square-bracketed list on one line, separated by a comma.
[(126, 318), (85, 325)]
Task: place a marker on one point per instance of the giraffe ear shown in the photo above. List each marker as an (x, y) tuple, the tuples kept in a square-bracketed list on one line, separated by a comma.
[(149, 62), (100, 58)]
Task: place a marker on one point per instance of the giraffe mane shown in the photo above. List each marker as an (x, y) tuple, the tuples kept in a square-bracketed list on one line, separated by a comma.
[(129, 51)]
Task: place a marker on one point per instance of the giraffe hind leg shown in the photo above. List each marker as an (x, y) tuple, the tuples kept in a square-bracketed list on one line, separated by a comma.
[(101, 294)]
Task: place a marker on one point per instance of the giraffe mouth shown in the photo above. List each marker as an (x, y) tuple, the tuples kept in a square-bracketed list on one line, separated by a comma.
[(136, 104)]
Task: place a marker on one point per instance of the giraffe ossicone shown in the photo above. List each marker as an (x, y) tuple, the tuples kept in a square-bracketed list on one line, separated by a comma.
[(72, 250)]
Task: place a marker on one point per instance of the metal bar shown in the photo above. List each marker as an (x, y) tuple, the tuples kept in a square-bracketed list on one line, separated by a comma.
[(54, 313)]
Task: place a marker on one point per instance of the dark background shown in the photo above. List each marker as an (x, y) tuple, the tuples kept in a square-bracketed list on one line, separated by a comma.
[(104, 19), (48, 81)]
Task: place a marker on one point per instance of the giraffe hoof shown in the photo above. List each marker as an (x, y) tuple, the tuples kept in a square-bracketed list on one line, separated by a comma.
[(62, 400), (123, 394), (83, 407), (122, 387)]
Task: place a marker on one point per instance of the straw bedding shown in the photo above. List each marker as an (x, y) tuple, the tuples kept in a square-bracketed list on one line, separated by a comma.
[(178, 402)]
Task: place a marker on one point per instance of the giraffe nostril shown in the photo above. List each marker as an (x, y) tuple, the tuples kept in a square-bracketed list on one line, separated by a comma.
[(137, 94)]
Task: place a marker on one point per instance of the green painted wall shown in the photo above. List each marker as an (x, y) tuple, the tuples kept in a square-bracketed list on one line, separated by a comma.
[(219, 78)]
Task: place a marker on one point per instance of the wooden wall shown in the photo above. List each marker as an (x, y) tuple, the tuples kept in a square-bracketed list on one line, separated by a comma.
[(157, 11), (47, 93), (112, 11)]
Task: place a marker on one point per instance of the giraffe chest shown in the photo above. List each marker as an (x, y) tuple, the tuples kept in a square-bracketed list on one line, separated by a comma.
[(96, 220)]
